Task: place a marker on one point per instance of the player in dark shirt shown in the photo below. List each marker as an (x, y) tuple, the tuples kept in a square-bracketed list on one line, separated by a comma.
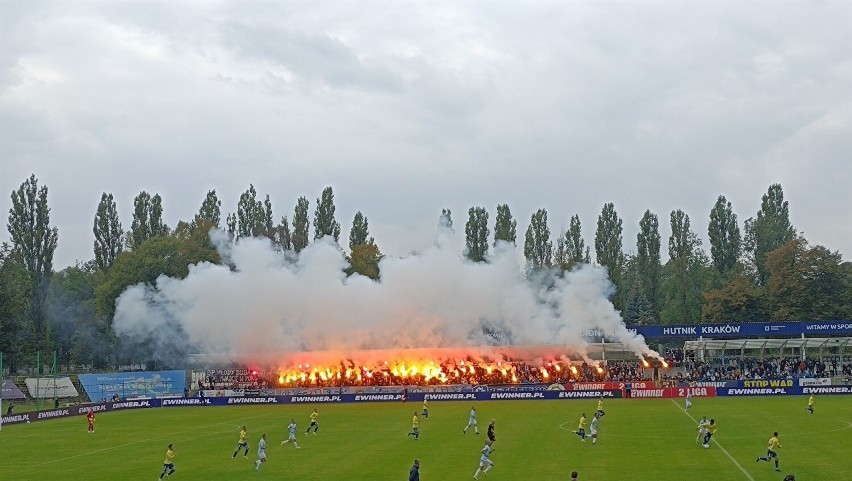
[(414, 474)]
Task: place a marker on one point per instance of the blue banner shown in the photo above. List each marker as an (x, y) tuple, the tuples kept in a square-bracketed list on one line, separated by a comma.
[(133, 384), (413, 398), (758, 391), (755, 329)]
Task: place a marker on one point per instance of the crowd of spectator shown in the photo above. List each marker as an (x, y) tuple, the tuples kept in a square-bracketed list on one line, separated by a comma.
[(734, 369), (508, 372), (683, 367)]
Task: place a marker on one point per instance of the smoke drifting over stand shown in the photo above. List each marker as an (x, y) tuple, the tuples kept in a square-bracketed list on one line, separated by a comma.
[(261, 307)]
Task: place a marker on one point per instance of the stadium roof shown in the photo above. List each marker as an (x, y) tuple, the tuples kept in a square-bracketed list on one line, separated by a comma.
[(740, 344)]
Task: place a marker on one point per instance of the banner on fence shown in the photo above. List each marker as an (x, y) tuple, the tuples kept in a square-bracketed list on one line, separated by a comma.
[(758, 391), (11, 391), (814, 381), (673, 392), (49, 387), (133, 384), (608, 385), (749, 329)]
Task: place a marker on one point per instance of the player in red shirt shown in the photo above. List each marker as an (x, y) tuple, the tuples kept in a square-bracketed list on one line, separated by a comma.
[(90, 416)]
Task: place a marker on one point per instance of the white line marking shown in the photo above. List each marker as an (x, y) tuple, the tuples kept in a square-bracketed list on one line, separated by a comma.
[(717, 443), (147, 440)]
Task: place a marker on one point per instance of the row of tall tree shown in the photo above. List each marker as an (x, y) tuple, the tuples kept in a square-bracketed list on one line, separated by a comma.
[(766, 272)]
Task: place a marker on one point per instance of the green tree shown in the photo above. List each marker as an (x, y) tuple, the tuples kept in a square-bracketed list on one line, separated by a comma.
[(15, 297), (71, 312), (360, 232), (648, 264), (210, 210), (301, 225), (807, 283), (724, 235), (505, 226), (170, 256), (35, 240), (575, 247), (251, 215), (324, 222), (147, 219), (638, 309), (231, 223), (738, 300), (282, 238), (446, 220), (608, 249), (109, 236), (684, 283), (364, 260), (538, 249), (769, 231), (476, 234), (561, 263)]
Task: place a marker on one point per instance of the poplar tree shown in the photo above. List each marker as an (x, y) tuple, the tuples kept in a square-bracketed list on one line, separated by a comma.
[(147, 219), (324, 221), (35, 242), (648, 264), (505, 226), (359, 234), (109, 236), (538, 249), (301, 224), (476, 234), (608, 242), (769, 231), (210, 211), (252, 214), (683, 297), (724, 235), (575, 248)]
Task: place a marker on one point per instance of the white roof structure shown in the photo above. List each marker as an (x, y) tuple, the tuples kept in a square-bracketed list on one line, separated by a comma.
[(793, 343)]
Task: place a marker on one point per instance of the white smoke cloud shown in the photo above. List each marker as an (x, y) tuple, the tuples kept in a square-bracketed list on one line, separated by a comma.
[(261, 305)]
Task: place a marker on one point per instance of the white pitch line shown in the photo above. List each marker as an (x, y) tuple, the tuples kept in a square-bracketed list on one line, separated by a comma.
[(146, 440), (717, 443)]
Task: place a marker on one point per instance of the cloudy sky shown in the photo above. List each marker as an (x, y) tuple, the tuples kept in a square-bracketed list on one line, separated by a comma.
[(409, 107)]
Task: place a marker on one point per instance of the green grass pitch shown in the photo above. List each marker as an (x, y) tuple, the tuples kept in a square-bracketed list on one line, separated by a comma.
[(639, 439)]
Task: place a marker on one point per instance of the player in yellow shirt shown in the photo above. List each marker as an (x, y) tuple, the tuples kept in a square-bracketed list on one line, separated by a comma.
[(600, 407), (425, 408), (581, 428), (710, 430), (772, 451), (169, 464), (314, 424), (242, 443), (811, 404), (415, 427)]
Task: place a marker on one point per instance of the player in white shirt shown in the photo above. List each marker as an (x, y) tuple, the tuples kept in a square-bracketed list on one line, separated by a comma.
[(593, 428), (292, 438), (688, 401), (261, 453), (485, 463), (701, 428), (471, 421)]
